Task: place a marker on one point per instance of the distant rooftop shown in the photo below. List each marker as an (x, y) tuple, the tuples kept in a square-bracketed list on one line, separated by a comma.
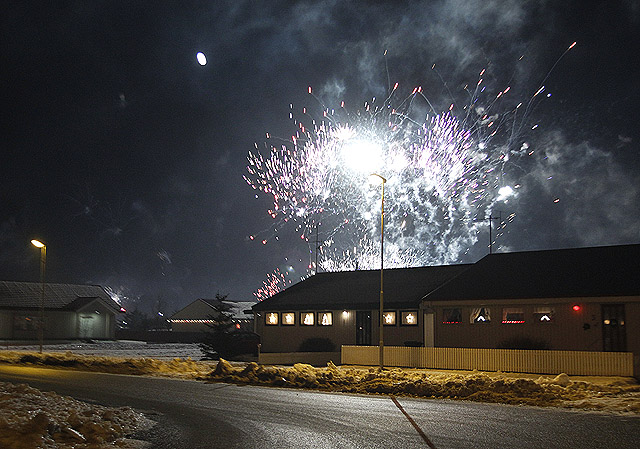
[(237, 309)]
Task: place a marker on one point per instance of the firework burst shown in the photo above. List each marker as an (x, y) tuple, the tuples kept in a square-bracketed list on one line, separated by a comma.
[(445, 173)]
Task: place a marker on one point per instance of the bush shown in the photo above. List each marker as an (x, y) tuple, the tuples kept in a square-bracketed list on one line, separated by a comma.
[(524, 343), (228, 344), (317, 345)]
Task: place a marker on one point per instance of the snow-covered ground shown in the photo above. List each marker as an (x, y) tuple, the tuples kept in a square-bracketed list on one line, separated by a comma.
[(28, 416), (120, 348)]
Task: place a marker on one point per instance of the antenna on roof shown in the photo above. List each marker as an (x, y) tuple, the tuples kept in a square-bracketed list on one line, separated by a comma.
[(317, 247), (491, 217)]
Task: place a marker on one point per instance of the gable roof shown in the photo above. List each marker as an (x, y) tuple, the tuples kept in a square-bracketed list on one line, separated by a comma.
[(28, 295), (403, 288), (561, 273)]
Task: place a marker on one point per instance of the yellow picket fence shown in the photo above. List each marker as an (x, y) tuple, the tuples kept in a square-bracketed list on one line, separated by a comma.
[(577, 363)]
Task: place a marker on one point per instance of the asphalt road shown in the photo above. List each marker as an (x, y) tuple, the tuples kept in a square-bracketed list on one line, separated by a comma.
[(199, 415)]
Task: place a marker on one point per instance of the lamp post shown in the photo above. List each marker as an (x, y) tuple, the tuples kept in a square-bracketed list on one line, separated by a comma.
[(43, 266), (381, 344)]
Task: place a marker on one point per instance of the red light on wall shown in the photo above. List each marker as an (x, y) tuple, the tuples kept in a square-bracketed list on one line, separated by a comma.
[(577, 307)]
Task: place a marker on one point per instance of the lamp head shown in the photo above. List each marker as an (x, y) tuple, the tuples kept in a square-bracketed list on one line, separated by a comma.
[(37, 243), (379, 176)]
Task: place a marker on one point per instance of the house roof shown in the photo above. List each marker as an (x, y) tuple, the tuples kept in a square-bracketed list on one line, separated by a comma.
[(235, 308), (402, 287), (562, 273), (28, 295)]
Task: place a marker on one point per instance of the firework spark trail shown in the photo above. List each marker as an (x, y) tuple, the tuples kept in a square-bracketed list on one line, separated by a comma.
[(444, 172), (275, 282)]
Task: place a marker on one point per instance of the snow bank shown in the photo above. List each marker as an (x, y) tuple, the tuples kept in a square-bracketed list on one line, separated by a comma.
[(619, 395), (30, 418)]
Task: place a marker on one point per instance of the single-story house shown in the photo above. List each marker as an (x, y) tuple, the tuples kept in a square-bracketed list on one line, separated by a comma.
[(70, 311), (199, 315), (344, 308), (585, 299)]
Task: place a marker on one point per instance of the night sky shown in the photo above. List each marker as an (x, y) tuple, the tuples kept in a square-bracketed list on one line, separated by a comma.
[(126, 156)]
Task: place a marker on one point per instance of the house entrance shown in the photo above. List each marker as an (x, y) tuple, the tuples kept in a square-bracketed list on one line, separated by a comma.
[(363, 328), (86, 327), (428, 325), (614, 336)]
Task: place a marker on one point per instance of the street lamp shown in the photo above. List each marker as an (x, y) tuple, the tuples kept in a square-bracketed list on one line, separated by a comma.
[(43, 266), (381, 345)]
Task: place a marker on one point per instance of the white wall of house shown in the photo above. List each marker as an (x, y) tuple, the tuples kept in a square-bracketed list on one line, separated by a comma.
[(6, 324), (95, 320)]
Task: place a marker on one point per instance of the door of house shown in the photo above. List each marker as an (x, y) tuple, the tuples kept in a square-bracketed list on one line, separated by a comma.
[(363, 327), (86, 327), (428, 326), (614, 336)]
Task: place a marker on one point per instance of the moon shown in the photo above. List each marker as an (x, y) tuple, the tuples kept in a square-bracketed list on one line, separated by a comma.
[(202, 59)]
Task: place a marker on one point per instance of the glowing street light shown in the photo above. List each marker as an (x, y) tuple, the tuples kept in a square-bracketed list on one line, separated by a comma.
[(43, 266), (381, 319)]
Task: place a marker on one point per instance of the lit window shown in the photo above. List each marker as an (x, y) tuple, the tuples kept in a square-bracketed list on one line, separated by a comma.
[(544, 314), (452, 316), (271, 319), (512, 315), (480, 315), (410, 318), (325, 318), (389, 318), (288, 319), (307, 318)]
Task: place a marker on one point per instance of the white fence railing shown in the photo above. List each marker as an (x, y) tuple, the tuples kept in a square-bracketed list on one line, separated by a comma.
[(577, 363)]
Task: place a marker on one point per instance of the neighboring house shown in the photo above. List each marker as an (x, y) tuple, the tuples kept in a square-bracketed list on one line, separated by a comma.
[(70, 311), (202, 313), (343, 307), (584, 299)]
